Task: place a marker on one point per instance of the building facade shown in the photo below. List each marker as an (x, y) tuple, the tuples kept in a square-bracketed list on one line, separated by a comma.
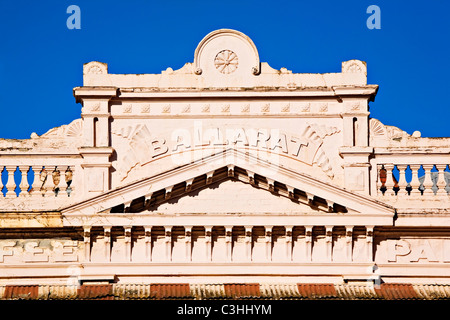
[(225, 178)]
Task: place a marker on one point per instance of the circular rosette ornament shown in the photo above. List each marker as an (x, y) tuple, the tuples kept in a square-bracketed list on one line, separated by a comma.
[(226, 61)]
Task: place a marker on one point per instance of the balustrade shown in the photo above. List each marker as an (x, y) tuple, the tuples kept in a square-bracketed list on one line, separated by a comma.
[(413, 180), (44, 181)]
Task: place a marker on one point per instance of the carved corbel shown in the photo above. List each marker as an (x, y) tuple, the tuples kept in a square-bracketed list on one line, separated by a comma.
[(330, 205), (248, 234), (168, 192), (310, 197), (291, 192), (251, 177), (168, 240), (349, 240), (329, 234), (329, 241), (107, 235), (308, 234), (148, 242), (268, 236), (208, 240), (209, 177), (228, 234), (308, 240), (148, 199), (87, 242), (189, 185), (188, 241), (271, 184), (126, 206), (349, 233), (230, 170), (369, 242)]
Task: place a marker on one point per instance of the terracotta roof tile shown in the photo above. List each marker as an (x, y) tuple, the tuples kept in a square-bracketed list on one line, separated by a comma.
[(95, 291), (21, 292), (387, 291), (242, 290), (396, 291), (317, 290), (170, 290)]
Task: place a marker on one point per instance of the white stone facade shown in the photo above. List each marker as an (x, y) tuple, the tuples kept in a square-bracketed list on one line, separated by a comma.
[(225, 170)]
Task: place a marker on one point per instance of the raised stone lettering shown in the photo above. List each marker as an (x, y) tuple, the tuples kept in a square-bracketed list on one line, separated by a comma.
[(298, 144), (182, 139), (33, 253), (159, 147), (423, 251), (6, 249), (279, 141), (64, 251), (397, 248), (238, 136), (260, 138)]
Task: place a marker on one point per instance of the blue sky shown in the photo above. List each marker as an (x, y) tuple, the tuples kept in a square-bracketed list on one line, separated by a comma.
[(41, 59)]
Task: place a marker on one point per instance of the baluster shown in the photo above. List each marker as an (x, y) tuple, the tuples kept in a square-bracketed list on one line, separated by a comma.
[(48, 187), (427, 182), (24, 184), (56, 179), (402, 183), (441, 183), (1, 183), (380, 183), (415, 183), (10, 184), (37, 184), (62, 184), (44, 177), (69, 180), (389, 181)]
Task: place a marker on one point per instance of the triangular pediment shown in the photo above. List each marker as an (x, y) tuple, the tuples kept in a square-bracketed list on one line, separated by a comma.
[(291, 191), (225, 193)]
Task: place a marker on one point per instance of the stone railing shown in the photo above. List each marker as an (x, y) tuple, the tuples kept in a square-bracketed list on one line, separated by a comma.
[(45, 183), (412, 180), (36, 180)]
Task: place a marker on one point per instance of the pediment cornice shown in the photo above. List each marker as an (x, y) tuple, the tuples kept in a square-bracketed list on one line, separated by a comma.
[(293, 185)]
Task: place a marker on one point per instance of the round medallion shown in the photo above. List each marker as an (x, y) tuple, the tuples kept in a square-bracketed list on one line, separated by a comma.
[(226, 61)]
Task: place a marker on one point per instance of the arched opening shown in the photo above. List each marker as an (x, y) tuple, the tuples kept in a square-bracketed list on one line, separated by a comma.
[(95, 132), (355, 128)]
